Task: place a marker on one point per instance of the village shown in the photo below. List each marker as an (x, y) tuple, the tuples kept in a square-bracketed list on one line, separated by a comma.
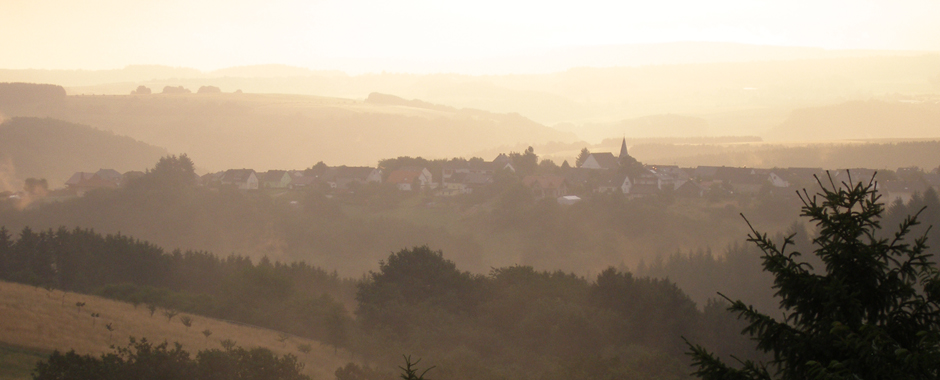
[(599, 173)]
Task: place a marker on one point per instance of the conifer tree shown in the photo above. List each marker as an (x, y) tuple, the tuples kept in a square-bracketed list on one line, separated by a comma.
[(871, 312)]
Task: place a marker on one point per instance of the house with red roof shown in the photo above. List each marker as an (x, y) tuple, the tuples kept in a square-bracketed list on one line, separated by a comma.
[(410, 178)]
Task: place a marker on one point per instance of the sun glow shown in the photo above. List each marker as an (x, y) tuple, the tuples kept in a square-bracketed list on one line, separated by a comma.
[(376, 35)]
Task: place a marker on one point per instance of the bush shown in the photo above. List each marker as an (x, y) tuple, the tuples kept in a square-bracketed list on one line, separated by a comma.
[(142, 360)]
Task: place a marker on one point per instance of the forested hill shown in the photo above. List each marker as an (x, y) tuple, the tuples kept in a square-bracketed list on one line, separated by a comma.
[(861, 120), (54, 150), (515, 322)]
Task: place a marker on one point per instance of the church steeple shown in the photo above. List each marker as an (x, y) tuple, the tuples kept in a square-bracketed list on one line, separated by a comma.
[(623, 149)]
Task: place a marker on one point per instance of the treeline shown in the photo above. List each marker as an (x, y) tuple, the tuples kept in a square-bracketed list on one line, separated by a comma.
[(928, 205), (501, 225), (612, 230), (518, 322), (295, 298), (143, 360), (19, 94), (738, 274), (165, 207)]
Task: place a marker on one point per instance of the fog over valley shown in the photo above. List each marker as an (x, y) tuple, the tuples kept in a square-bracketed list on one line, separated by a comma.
[(490, 190)]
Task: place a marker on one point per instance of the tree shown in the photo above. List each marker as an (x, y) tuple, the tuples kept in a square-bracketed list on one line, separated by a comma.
[(336, 322), (6, 245), (547, 166), (170, 172), (36, 186), (353, 371), (410, 370), (186, 321), (169, 314), (409, 281), (208, 90), (227, 344), (871, 312), (583, 156), (658, 305), (207, 333), (319, 169), (142, 90), (525, 163), (176, 90), (110, 328)]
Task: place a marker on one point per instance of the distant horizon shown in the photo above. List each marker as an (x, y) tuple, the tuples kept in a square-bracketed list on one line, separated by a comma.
[(424, 36), (603, 57)]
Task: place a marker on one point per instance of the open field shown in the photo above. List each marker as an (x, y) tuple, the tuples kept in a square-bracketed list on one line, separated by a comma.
[(36, 320)]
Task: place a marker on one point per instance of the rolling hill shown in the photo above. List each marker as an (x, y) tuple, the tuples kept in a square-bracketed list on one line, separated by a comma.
[(54, 150), (223, 131), (37, 321), (871, 119), (739, 89)]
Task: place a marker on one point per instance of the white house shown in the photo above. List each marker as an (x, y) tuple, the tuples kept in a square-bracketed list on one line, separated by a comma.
[(778, 181), (599, 161), (244, 179), (411, 178)]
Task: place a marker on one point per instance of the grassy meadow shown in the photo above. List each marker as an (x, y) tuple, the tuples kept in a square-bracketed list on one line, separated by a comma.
[(37, 321)]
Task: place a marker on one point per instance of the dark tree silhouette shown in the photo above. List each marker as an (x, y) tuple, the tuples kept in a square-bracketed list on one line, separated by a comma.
[(169, 314), (412, 277), (410, 370), (170, 172), (146, 361), (227, 344), (186, 321), (36, 185), (142, 90), (175, 90), (208, 90), (871, 312), (526, 162), (583, 156)]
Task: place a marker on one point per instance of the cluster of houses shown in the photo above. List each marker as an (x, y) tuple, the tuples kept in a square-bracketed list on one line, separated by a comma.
[(455, 178), (606, 173), (598, 173), (82, 182)]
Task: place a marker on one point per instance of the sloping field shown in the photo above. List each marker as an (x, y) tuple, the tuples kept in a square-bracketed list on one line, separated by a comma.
[(35, 320)]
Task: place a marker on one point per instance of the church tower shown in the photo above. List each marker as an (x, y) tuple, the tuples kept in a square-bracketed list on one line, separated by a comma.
[(623, 150)]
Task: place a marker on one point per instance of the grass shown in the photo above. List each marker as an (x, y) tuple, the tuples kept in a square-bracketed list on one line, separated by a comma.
[(37, 321), (18, 362)]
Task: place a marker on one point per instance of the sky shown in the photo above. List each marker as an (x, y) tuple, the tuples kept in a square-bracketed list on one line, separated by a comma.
[(373, 35)]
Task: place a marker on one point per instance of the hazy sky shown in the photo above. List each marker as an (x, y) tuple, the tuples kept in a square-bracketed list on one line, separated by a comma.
[(369, 35)]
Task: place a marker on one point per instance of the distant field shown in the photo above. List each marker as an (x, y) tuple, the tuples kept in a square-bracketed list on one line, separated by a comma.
[(37, 321)]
